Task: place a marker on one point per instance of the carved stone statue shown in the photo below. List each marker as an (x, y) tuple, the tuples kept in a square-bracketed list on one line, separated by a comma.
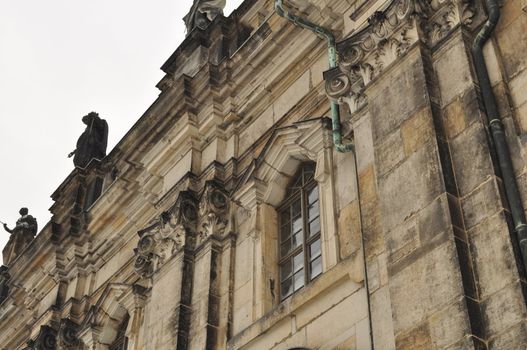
[(21, 235), (93, 141), (202, 13)]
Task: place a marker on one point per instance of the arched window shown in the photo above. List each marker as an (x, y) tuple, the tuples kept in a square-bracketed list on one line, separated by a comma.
[(121, 341), (299, 226)]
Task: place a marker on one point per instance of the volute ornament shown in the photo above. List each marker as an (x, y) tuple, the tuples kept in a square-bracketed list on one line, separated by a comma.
[(213, 211), (389, 35), (166, 235)]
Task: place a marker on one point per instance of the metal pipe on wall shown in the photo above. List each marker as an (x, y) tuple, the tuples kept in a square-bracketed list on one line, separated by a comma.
[(497, 130), (333, 63)]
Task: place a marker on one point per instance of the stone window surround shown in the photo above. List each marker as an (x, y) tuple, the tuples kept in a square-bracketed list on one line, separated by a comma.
[(264, 190), (100, 328)]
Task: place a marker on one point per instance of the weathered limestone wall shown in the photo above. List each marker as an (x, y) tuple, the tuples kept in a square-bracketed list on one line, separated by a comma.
[(418, 250)]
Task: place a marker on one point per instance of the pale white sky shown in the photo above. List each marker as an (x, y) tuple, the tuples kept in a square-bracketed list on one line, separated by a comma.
[(61, 59)]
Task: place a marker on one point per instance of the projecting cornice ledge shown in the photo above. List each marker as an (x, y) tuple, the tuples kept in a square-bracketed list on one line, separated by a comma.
[(389, 35)]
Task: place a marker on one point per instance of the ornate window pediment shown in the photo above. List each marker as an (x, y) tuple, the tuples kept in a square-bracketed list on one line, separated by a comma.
[(287, 148)]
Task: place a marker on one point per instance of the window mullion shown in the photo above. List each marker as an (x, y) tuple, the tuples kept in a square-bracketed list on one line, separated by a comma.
[(304, 212)]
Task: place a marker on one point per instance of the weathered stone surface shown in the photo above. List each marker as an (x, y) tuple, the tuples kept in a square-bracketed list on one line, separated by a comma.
[(411, 186), (241, 108)]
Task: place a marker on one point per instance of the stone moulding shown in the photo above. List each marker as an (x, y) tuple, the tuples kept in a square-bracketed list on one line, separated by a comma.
[(388, 36), (166, 235)]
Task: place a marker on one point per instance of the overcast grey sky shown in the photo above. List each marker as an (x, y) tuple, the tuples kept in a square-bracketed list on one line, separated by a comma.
[(61, 59)]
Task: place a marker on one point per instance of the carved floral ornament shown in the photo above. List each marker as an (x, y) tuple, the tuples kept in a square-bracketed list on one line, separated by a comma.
[(388, 36), (169, 233), (213, 211), (166, 235)]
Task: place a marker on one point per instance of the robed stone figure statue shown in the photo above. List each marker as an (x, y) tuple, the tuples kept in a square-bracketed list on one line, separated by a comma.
[(93, 141), (21, 235), (202, 13)]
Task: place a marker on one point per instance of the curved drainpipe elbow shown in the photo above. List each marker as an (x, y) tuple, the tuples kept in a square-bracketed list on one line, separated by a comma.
[(497, 130), (333, 63)]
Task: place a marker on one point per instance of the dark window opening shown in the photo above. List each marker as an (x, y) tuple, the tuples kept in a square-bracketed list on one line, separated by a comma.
[(121, 341), (300, 248)]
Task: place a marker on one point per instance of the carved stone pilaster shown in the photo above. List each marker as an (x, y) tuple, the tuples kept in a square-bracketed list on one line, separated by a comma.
[(213, 211), (166, 235), (387, 37), (68, 337)]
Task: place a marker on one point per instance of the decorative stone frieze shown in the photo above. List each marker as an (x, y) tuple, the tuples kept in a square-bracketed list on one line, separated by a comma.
[(388, 36), (213, 211), (68, 337), (166, 235)]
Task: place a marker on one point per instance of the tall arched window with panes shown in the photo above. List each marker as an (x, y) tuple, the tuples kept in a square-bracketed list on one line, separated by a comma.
[(299, 231)]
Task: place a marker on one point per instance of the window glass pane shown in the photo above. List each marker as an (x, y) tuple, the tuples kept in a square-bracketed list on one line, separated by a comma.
[(297, 224), (314, 227), (299, 280), (296, 208), (285, 247), (313, 195), (285, 217), (285, 232), (286, 288), (298, 239), (316, 267), (314, 250), (313, 210), (298, 262), (286, 270)]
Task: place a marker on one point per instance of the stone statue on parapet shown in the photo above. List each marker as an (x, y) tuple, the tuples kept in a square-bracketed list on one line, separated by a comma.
[(21, 235), (202, 13), (93, 141)]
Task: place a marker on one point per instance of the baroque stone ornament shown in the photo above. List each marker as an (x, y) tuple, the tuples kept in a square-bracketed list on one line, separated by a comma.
[(68, 338), (388, 36), (46, 339), (213, 211), (166, 235)]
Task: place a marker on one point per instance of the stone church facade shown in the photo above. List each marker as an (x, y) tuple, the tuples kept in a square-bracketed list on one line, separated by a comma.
[(233, 216)]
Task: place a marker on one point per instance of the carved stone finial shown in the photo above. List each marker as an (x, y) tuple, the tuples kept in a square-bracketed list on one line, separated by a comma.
[(202, 13), (25, 230), (93, 141)]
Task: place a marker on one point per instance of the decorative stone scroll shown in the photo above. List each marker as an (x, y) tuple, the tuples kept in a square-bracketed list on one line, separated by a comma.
[(213, 211), (68, 337), (388, 36), (46, 340), (166, 235)]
